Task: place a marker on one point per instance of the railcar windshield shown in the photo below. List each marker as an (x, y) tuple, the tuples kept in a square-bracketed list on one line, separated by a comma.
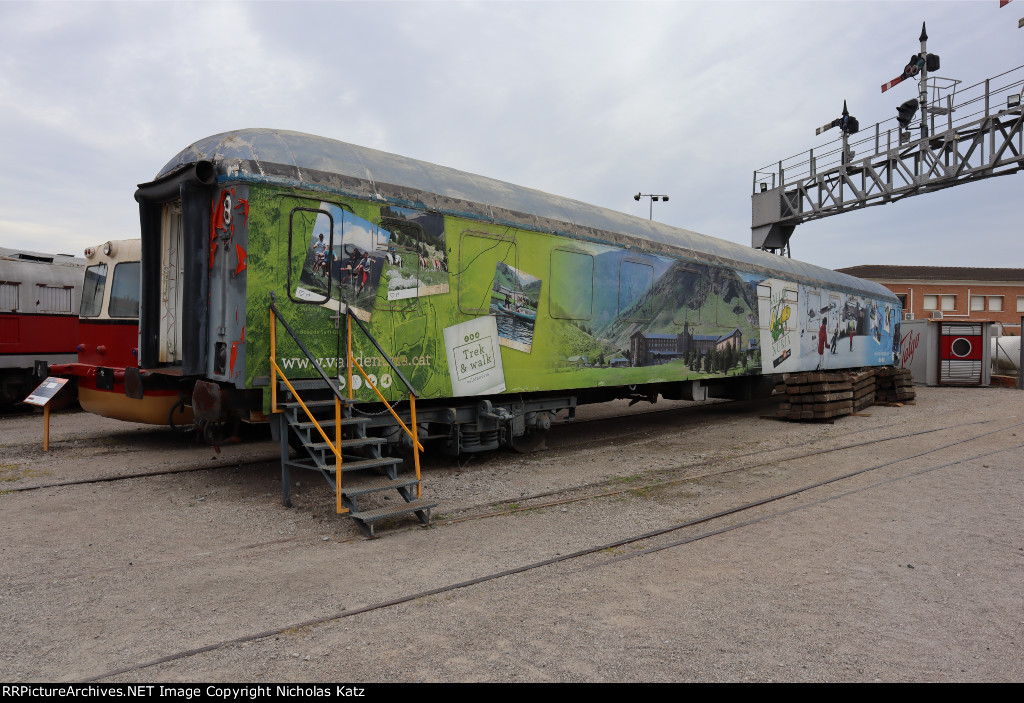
[(92, 291), (124, 290)]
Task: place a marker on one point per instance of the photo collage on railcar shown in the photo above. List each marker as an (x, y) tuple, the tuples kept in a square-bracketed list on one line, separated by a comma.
[(467, 308)]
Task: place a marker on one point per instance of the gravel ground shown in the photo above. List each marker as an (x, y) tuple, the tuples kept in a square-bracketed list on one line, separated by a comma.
[(908, 572)]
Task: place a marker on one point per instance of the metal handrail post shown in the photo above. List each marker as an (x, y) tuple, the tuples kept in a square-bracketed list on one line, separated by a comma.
[(415, 445), (348, 353), (337, 454), (273, 362)]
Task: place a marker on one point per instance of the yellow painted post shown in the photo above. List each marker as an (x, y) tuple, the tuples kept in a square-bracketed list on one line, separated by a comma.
[(415, 445), (46, 427)]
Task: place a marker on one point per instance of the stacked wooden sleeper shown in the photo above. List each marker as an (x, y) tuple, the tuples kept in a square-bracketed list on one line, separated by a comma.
[(816, 395), (895, 386), (864, 386)]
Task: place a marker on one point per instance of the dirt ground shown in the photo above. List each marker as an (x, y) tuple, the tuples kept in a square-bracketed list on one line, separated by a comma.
[(910, 571)]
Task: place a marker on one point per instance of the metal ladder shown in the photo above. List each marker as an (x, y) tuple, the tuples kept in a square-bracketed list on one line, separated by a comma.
[(368, 477), (325, 410)]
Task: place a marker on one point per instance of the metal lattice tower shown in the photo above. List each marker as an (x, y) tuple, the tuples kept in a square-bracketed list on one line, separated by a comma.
[(973, 135)]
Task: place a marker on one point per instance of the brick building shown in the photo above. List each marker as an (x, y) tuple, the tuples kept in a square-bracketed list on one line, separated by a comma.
[(953, 292)]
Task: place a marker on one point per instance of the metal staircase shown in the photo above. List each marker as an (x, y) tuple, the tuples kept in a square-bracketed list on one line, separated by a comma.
[(309, 412), (369, 479)]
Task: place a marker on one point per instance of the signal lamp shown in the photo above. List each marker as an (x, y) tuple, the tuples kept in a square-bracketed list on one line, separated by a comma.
[(905, 112)]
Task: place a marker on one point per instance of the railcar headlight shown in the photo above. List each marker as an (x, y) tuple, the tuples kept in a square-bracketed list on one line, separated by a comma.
[(108, 249)]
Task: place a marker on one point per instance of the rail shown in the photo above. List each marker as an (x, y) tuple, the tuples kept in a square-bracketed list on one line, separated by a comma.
[(335, 445)]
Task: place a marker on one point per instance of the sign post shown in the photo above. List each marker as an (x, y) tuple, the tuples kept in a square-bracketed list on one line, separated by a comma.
[(41, 396)]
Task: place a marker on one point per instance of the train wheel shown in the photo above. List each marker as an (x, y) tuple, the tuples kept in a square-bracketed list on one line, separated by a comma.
[(529, 443)]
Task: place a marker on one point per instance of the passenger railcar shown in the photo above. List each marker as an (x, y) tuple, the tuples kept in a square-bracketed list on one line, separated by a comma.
[(501, 305), (108, 340), (39, 296)]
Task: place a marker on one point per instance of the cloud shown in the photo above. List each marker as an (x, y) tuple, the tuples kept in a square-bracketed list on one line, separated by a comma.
[(593, 101)]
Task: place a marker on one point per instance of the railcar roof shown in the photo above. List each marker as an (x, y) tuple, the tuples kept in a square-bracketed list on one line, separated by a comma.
[(39, 257), (304, 160)]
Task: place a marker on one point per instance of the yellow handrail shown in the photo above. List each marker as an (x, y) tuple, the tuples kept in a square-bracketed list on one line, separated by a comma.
[(414, 434), (383, 400), (336, 444)]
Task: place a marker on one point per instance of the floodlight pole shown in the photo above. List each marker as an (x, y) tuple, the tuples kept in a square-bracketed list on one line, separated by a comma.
[(653, 197)]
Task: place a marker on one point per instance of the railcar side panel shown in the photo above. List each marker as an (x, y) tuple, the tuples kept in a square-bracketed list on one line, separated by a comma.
[(465, 307)]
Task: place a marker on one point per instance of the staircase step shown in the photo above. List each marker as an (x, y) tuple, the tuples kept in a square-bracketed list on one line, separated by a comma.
[(330, 423), (375, 484), (349, 443), (346, 465), (312, 384), (371, 516), (325, 403), (356, 465)]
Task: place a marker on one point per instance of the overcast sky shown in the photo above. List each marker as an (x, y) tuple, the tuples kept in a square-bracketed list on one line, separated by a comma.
[(592, 101)]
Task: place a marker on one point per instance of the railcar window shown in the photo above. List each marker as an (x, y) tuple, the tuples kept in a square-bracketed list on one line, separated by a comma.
[(791, 296), (404, 254), (9, 296), (636, 281), (571, 293), (92, 291), (124, 290), (479, 255), (312, 255), (53, 299)]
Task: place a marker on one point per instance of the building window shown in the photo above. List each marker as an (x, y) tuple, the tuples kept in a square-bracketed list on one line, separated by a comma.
[(995, 303), (1020, 303), (948, 302), (977, 303), (931, 302), (903, 300)]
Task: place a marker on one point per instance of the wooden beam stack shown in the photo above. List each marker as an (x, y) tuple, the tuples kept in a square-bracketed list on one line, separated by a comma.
[(816, 395), (863, 389), (819, 395), (894, 386)]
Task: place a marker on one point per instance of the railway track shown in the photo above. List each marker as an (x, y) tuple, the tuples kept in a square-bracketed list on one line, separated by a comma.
[(712, 520), (566, 495), (569, 435)]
